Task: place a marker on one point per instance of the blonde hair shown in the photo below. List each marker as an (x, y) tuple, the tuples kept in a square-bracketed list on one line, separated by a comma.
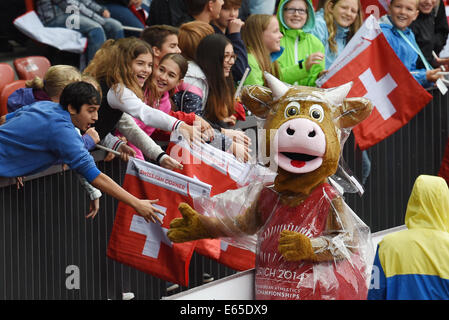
[(55, 79), (332, 24), (89, 79), (417, 3), (113, 63), (189, 36), (252, 32)]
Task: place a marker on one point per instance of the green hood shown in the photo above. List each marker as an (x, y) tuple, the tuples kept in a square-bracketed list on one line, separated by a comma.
[(308, 26)]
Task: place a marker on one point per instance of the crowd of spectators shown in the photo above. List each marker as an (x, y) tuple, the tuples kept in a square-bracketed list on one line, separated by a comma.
[(157, 66)]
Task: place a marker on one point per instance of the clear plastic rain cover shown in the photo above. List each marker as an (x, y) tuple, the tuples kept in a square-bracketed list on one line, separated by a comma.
[(255, 215)]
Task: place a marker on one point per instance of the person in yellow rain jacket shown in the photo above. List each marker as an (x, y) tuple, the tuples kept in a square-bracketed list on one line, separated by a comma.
[(413, 264)]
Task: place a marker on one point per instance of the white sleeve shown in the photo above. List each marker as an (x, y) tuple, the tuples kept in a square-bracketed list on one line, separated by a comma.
[(128, 127), (128, 102), (93, 192), (111, 142)]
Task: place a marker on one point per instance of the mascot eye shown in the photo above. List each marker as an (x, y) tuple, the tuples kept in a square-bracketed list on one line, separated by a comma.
[(316, 112), (292, 109)]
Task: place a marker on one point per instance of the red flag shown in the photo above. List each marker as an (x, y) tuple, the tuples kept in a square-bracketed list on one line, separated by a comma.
[(375, 7), (235, 257), (444, 168), (379, 75), (223, 172), (145, 246), (378, 8)]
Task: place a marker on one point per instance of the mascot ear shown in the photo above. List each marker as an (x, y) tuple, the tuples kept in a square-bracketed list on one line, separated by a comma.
[(353, 111), (257, 99)]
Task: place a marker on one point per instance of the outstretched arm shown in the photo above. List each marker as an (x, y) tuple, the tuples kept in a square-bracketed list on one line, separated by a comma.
[(143, 207)]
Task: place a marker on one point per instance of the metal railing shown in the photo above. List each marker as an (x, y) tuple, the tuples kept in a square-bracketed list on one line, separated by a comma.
[(48, 250)]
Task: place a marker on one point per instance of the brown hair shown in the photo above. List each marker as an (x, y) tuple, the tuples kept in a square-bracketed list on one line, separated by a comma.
[(155, 35), (252, 31), (232, 3), (190, 35), (112, 63), (210, 58)]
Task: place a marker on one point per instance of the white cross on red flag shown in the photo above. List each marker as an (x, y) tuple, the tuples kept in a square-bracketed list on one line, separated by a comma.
[(377, 74), (145, 245)]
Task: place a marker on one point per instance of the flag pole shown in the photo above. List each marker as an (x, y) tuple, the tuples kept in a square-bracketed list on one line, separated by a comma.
[(239, 88), (107, 149)]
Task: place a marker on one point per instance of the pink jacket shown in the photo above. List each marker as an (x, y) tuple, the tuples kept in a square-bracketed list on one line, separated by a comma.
[(164, 105)]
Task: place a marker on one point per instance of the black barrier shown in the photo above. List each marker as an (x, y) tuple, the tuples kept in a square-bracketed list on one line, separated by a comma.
[(48, 250), (417, 148)]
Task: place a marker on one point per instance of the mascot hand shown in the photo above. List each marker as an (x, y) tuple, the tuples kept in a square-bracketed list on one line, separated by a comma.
[(295, 246), (187, 228)]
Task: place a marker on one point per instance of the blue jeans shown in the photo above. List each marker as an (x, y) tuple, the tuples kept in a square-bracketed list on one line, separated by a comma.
[(126, 17), (366, 166), (95, 33)]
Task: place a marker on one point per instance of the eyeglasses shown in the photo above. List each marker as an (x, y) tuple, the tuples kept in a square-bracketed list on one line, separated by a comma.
[(292, 11), (228, 57)]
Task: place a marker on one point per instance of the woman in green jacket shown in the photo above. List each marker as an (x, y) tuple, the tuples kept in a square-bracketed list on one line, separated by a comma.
[(303, 58)]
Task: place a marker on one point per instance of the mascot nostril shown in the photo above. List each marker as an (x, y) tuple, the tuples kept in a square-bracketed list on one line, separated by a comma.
[(310, 244)]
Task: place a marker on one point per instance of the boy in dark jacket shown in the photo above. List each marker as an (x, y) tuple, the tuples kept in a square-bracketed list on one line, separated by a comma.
[(230, 25), (172, 13)]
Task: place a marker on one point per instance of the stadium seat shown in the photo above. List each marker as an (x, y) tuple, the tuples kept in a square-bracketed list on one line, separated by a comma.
[(6, 75), (29, 67), (6, 92)]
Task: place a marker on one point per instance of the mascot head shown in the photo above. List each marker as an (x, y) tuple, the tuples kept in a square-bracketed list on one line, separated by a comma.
[(303, 128)]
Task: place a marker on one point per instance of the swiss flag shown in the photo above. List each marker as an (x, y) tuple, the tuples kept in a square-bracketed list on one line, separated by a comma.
[(145, 246), (377, 74), (378, 8), (223, 172), (375, 7)]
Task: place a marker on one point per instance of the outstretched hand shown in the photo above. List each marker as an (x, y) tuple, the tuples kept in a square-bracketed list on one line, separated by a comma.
[(168, 162), (146, 209)]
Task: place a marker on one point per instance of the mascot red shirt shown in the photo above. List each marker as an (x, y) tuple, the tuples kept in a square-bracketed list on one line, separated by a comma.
[(278, 279)]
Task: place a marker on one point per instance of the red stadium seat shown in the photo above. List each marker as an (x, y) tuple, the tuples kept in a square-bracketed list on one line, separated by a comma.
[(6, 92), (6, 75), (29, 67)]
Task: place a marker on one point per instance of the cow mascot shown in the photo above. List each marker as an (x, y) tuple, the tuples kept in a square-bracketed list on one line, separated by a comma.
[(310, 244)]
